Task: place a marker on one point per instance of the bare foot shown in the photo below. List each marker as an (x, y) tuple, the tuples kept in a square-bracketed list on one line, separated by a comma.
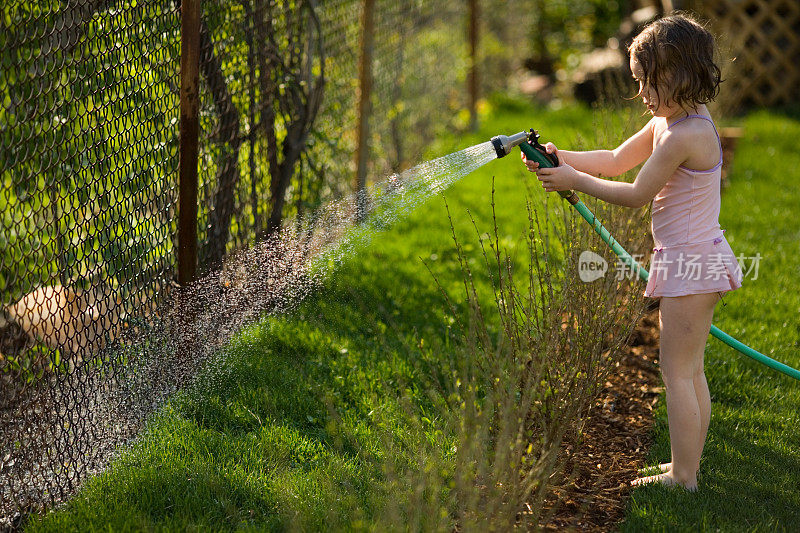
[(662, 468), (665, 479)]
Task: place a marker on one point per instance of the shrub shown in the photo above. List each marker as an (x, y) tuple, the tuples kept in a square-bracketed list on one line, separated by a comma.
[(520, 379)]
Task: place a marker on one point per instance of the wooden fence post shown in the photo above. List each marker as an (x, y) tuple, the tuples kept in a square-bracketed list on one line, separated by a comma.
[(472, 77), (364, 107), (189, 132)]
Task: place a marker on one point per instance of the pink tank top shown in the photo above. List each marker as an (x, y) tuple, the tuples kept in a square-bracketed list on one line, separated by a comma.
[(686, 210)]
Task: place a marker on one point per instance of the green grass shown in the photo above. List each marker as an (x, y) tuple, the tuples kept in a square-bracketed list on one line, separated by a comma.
[(750, 473), (298, 431)]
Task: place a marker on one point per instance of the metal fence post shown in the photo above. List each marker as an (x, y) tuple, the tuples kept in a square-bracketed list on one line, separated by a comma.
[(472, 77), (364, 107), (189, 132)]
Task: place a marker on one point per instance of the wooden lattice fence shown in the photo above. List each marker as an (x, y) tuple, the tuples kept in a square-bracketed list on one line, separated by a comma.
[(760, 44)]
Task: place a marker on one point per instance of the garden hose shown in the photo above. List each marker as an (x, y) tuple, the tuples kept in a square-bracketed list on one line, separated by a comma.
[(532, 149)]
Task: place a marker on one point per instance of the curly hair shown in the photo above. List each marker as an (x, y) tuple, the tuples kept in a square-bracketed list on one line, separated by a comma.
[(678, 52)]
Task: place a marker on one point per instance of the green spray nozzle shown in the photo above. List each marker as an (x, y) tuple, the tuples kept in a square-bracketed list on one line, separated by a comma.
[(534, 151), (528, 141)]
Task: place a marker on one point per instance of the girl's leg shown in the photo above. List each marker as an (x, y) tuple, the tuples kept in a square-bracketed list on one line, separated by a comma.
[(704, 402), (685, 322)]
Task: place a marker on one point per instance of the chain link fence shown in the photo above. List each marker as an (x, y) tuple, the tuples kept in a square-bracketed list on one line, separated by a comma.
[(89, 158)]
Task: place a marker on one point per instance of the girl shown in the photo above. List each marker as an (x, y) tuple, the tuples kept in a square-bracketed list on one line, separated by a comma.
[(692, 265)]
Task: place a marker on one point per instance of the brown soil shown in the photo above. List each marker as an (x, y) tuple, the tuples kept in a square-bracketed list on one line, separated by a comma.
[(616, 439)]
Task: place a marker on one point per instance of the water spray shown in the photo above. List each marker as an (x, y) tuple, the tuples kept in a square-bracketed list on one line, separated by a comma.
[(528, 142)]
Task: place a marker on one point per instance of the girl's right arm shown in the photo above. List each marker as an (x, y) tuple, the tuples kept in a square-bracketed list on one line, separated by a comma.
[(609, 163)]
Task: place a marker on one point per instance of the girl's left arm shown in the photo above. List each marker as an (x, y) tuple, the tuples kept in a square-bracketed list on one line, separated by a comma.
[(614, 162), (669, 153)]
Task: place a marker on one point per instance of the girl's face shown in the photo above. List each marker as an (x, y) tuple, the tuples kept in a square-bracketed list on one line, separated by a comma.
[(657, 105)]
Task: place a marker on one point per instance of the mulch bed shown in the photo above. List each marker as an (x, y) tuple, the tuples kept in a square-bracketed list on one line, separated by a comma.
[(616, 439)]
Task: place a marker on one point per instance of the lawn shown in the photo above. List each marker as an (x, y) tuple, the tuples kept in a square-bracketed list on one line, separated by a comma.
[(297, 431)]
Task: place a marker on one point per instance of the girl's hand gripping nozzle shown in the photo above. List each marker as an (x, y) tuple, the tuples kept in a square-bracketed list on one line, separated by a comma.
[(528, 142), (535, 151)]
